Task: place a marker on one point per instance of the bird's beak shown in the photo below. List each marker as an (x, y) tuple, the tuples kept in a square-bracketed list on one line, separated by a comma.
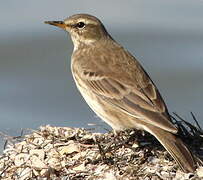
[(60, 24)]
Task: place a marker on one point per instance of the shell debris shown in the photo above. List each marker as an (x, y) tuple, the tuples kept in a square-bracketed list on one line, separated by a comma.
[(76, 153)]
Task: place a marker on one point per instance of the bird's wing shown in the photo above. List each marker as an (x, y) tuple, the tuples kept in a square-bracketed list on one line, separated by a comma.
[(136, 95)]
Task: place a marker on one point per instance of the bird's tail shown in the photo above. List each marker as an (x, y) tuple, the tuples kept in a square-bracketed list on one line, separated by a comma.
[(175, 147)]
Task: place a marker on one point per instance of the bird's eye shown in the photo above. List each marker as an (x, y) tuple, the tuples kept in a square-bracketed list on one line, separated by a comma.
[(81, 25)]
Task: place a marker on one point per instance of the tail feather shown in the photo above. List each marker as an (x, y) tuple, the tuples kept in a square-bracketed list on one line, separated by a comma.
[(176, 148)]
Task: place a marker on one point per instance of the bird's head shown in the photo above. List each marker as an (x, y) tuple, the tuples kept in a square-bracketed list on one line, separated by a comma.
[(83, 28)]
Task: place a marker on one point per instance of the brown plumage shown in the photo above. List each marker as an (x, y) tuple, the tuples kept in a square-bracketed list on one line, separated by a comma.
[(117, 88)]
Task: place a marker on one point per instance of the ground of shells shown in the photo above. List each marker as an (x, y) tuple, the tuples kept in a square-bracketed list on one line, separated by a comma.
[(75, 153)]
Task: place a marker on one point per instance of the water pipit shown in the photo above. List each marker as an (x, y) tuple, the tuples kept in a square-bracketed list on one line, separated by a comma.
[(116, 86)]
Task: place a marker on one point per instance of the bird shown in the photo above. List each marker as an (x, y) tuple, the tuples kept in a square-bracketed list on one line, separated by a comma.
[(117, 88)]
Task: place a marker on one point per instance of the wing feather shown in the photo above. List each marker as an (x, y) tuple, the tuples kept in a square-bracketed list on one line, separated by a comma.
[(136, 102)]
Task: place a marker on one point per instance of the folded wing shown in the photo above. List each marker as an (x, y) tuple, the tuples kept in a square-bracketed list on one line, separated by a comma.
[(142, 101)]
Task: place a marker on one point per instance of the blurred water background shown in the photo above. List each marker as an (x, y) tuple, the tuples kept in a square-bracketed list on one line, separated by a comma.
[(36, 85)]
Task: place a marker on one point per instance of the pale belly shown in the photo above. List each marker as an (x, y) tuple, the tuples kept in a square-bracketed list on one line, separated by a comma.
[(113, 116)]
